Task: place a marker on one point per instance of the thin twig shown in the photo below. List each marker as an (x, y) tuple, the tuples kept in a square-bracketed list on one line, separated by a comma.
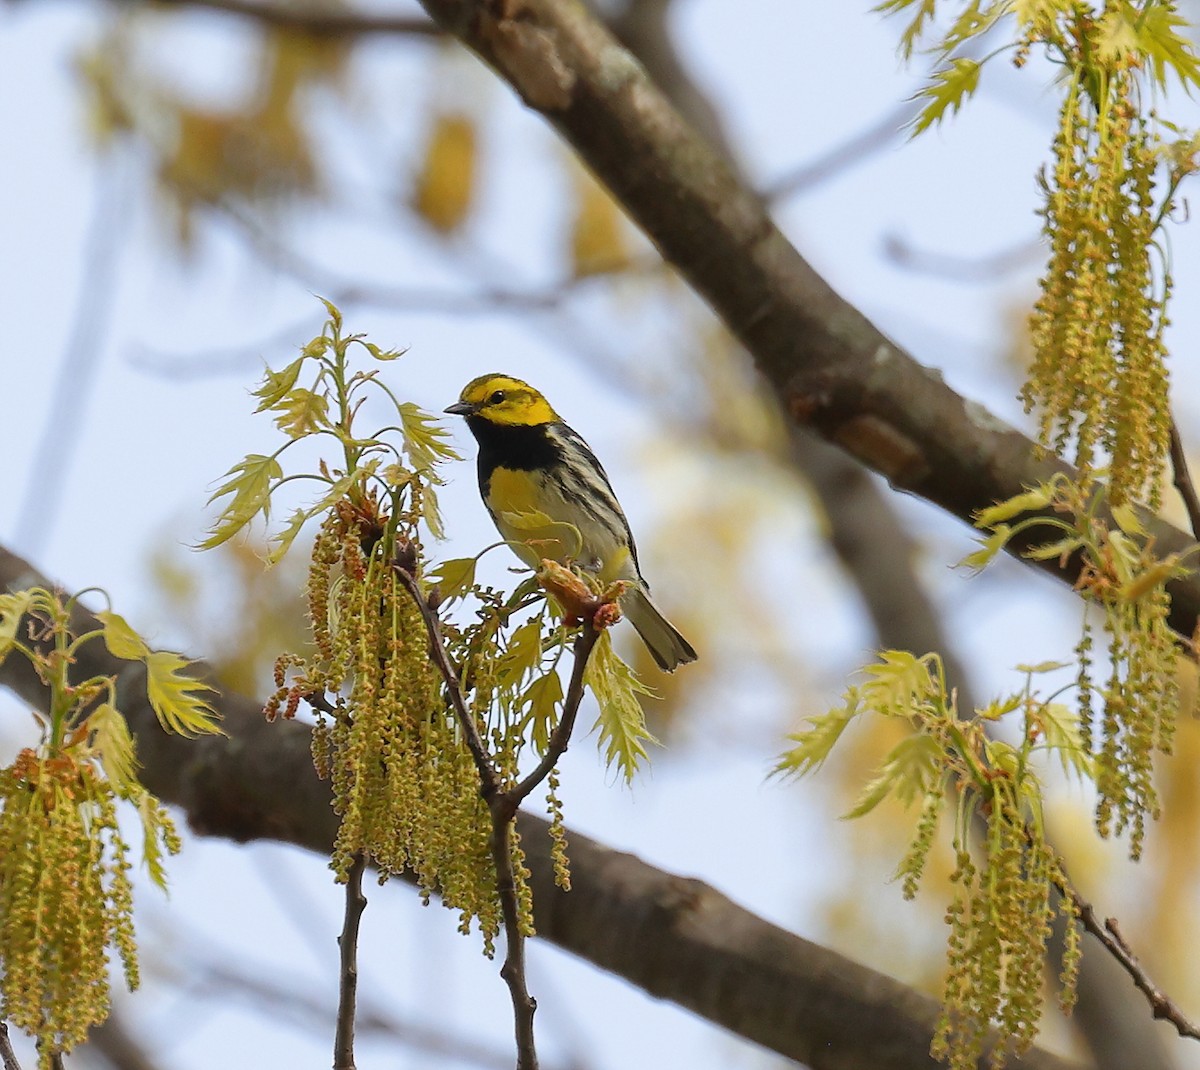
[(560, 738), (503, 804), (6, 1051), (356, 902), (1109, 934), (484, 765), (1183, 479)]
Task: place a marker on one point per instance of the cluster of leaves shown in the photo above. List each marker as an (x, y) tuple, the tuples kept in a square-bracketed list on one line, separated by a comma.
[(405, 781), (1123, 577), (1099, 373), (65, 891), (1004, 903)]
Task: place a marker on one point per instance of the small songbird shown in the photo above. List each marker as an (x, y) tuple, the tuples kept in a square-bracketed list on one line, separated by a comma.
[(530, 463)]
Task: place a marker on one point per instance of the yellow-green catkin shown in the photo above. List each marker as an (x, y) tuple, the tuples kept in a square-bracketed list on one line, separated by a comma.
[(404, 783), (1000, 923), (1141, 702), (1099, 371), (65, 898)]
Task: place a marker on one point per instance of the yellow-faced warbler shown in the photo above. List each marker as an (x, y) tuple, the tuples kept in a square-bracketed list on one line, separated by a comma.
[(537, 475)]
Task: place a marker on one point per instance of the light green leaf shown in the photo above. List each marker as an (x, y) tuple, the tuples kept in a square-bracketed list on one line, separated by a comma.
[(335, 314), (122, 641), (1043, 666), (249, 489), (913, 31), (1116, 35), (543, 697), (114, 744), (896, 681), (1164, 47), (816, 743), (426, 441), (988, 549), (1060, 729), (284, 538), (622, 724), (1126, 516), (275, 385), (524, 653), (947, 91), (13, 607), (302, 413), (1026, 502), (158, 831), (1047, 551), (909, 772), (382, 354), (179, 700), (453, 578)]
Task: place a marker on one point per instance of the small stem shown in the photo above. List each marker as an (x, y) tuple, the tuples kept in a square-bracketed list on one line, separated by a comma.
[(7, 1054), (1183, 479), (488, 776), (513, 971), (1109, 934), (356, 902)]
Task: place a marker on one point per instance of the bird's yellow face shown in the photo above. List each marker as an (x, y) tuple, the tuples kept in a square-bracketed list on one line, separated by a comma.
[(501, 399)]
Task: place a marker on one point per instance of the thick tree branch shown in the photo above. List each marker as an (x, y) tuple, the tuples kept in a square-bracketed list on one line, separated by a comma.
[(831, 369), (676, 938)]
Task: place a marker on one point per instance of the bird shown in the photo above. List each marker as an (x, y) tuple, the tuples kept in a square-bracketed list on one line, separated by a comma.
[(536, 476)]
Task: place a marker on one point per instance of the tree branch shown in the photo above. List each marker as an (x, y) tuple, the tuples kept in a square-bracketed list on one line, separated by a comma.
[(356, 902), (504, 803), (7, 1054), (676, 938), (1183, 479), (831, 369)]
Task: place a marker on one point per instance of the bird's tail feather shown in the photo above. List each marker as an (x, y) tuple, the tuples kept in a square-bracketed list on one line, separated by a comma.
[(668, 648)]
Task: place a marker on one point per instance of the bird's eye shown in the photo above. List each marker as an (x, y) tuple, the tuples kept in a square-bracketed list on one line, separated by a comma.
[(496, 398)]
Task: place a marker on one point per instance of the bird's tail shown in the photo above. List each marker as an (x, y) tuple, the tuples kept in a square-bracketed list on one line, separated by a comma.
[(668, 648)]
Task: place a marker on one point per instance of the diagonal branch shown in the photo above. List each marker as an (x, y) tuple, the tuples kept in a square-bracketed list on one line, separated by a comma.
[(678, 939), (830, 368), (1183, 479)]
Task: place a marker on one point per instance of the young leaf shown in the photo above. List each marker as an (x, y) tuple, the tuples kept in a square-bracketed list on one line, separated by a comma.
[(1029, 501), (946, 93), (157, 832), (543, 697), (988, 548), (1157, 34), (453, 578), (114, 745), (275, 385), (302, 412), (425, 441), (249, 486), (178, 699), (122, 641), (623, 733), (909, 772), (13, 607), (816, 743)]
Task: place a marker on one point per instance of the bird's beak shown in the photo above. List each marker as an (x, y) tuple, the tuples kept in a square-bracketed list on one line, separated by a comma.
[(461, 408)]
